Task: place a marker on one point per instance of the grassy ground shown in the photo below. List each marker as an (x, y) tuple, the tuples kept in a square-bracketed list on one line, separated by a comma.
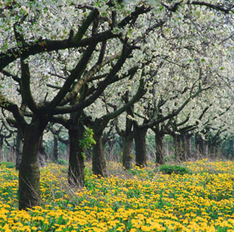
[(136, 200)]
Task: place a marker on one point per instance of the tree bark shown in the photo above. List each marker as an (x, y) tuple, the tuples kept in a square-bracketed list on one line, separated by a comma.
[(56, 149), (140, 143), (1, 148), (183, 147), (42, 156), (76, 157), (188, 147), (127, 151), (177, 147), (159, 147), (200, 145), (29, 174), (99, 161), (19, 149)]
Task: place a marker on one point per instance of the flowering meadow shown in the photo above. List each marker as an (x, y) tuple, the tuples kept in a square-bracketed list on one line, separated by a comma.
[(136, 200)]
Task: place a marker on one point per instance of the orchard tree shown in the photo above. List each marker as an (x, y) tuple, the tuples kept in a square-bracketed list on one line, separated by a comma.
[(64, 59), (195, 49)]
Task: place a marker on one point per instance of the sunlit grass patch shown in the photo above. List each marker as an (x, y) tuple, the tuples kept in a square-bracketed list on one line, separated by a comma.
[(136, 200)]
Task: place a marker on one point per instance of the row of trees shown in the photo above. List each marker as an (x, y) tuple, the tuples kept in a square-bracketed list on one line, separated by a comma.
[(55, 147), (164, 66)]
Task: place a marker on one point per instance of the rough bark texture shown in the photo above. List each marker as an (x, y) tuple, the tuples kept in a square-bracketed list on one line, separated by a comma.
[(19, 149), (42, 156), (29, 174), (99, 161), (76, 159), (185, 147), (140, 143), (159, 147), (56, 149), (1, 148), (188, 146), (127, 151), (200, 146), (177, 147)]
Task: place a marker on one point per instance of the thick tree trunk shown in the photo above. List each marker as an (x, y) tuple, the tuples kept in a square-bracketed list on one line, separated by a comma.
[(19, 149), (187, 146), (29, 174), (177, 147), (68, 149), (56, 149), (99, 161), (140, 143), (206, 149), (42, 156), (1, 148), (127, 151), (76, 157), (200, 146), (159, 147), (183, 147)]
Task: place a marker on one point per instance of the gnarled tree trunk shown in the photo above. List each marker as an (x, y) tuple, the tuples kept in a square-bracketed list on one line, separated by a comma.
[(200, 145), (1, 148), (29, 174), (140, 143), (42, 156), (127, 151), (76, 158), (99, 161), (56, 149), (19, 149), (159, 147), (177, 147), (186, 144)]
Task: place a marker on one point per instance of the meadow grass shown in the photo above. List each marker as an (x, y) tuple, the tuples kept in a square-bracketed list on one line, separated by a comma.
[(136, 200)]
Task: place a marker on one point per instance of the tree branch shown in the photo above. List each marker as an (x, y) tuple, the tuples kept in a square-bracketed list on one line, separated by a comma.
[(75, 74), (217, 7), (125, 53), (138, 95), (86, 78), (44, 45), (14, 109), (26, 90)]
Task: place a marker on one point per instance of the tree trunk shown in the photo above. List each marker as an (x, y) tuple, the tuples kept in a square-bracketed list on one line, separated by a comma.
[(1, 148), (99, 161), (19, 149), (127, 151), (140, 143), (183, 147), (187, 146), (177, 147), (200, 145), (67, 149), (29, 174), (56, 149), (159, 147), (42, 156), (76, 157)]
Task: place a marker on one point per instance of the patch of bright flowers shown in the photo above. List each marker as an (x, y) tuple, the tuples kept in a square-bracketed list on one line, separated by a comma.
[(136, 200)]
